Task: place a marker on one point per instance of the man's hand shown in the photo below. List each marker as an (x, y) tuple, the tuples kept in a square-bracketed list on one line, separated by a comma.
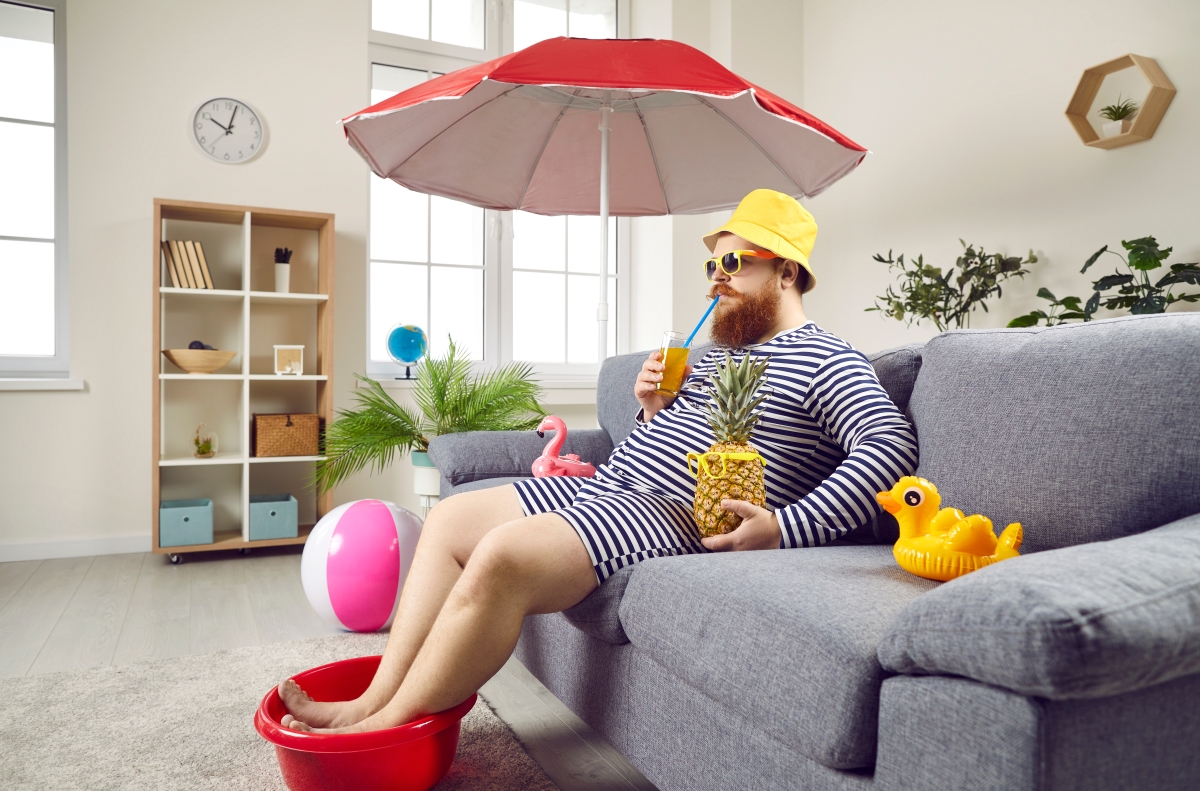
[(645, 389), (759, 529)]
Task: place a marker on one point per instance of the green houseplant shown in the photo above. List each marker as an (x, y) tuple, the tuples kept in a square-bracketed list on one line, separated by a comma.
[(1119, 115), (449, 400), (1130, 290), (947, 298)]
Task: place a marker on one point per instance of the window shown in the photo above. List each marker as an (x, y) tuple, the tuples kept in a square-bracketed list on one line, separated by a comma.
[(458, 22), (33, 288), (555, 287), (536, 20), (505, 285), (426, 253)]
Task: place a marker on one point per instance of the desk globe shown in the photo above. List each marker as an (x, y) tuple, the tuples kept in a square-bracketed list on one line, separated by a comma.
[(406, 344)]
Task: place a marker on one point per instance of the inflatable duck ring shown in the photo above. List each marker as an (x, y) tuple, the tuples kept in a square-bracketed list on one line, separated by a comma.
[(943, 544)]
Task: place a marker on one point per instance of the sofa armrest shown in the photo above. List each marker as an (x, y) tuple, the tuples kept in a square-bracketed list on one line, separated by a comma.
[(475, 455), (1087, 621)]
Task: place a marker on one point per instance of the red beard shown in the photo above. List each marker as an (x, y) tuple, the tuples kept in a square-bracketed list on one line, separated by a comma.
[(741, 319)]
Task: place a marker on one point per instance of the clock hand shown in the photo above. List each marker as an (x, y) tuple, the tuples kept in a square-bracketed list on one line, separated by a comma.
[(218, 123), (229, 131)]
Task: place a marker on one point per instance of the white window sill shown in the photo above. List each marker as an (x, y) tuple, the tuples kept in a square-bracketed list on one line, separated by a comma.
[(42, 384), (555, 390)]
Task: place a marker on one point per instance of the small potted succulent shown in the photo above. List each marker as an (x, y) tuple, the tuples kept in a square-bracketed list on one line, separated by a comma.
[(283, 269), (205, 442), (1120, 117)]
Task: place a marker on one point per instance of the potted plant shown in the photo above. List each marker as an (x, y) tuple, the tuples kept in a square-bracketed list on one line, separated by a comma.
[(449, 399), (205, 442), (1119, 115), (947, 299), (1131, 290), (283, 269)]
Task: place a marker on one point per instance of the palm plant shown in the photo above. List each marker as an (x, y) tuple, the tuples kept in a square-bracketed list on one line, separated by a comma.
[(449, 400)]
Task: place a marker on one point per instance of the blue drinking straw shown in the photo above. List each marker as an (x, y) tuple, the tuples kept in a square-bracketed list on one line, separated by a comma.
[(700, 323)]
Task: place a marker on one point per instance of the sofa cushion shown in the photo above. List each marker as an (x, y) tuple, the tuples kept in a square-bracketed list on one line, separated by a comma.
[(786, 638), (1081, 432), (482, 483), (476, 455), (1082, 622), (615, 405), (897, 370), (599, 614)]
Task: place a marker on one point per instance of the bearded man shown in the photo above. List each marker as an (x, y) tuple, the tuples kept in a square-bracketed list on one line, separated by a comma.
[(829, 434)]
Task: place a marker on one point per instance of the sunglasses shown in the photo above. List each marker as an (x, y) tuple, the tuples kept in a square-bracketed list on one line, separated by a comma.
[(731, 262), (702, 462)]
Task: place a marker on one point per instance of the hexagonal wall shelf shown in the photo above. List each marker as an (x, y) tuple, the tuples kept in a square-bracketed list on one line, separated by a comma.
[(1148, 115)]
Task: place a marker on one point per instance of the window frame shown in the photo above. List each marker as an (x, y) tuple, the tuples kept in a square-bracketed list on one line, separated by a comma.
[(56, 366), (389, 49)]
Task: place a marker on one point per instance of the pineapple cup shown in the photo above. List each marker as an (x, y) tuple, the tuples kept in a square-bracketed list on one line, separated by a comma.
[(731, 469)]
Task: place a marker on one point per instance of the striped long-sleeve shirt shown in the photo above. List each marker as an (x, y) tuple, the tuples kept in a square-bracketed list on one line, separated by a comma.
[(830, 434)]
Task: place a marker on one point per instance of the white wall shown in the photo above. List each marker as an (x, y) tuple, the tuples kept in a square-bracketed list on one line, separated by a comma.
[(961, 105), (77, 465)]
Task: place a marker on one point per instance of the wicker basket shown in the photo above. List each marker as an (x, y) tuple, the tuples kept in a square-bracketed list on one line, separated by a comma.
[(286, 435)]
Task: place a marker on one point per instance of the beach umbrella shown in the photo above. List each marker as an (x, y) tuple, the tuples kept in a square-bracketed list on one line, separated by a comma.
[(622, 127)]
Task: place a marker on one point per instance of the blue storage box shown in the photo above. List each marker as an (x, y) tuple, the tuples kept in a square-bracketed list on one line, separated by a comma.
[(184, 523), (273, 516)]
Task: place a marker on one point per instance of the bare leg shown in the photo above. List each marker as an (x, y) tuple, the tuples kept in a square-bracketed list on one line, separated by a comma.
[(536, 564), (448, 538)]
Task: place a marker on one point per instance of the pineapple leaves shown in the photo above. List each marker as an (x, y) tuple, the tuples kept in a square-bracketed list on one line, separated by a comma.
[(736, 397)]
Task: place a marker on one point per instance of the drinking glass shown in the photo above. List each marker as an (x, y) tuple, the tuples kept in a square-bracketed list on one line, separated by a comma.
[(674, 358)]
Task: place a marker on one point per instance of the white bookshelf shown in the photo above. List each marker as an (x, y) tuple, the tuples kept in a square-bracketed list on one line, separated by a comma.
[(243, 314)]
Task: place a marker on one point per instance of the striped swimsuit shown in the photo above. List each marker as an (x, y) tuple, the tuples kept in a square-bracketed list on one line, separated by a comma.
[(830, 434)]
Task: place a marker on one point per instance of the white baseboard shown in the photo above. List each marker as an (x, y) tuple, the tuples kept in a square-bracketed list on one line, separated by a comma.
[(74, 548)]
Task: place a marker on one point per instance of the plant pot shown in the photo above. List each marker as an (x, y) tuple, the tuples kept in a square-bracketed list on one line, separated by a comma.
[(283, 276), (1114, 128), (427, 481)]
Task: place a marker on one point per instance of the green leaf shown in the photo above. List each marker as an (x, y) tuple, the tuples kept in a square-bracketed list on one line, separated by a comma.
[(1144, 253), (1112, 281), (1153, 303), (1095, 256), (1092, 306), (1070, 303), (1028, 320), (1045, 293), (1072, 315)]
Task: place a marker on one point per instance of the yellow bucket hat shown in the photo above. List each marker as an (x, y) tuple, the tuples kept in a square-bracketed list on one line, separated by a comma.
[(774, 222)]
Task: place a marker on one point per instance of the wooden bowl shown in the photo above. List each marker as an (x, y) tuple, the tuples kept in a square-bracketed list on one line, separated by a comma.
[(199, 361)]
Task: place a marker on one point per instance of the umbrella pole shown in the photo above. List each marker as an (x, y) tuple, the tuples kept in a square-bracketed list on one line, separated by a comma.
[(602, 308)]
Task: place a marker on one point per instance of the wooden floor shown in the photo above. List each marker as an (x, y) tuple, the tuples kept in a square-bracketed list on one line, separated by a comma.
[(76, 613)]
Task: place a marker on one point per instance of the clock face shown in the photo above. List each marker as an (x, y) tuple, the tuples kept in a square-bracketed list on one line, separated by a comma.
[(228, 131)]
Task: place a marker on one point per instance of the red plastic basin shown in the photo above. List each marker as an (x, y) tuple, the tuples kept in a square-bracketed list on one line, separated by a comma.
[(412, 757)]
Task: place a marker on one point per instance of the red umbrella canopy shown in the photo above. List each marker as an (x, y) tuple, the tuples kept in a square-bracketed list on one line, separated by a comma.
[(520, 132)]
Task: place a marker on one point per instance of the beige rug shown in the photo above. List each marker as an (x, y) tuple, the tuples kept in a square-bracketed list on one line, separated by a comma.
[(187, 723)]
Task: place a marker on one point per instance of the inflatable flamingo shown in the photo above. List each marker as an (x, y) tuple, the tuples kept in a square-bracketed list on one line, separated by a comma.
[(550, 464)]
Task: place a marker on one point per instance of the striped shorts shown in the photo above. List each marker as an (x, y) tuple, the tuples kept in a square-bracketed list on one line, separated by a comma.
[(619, 528)]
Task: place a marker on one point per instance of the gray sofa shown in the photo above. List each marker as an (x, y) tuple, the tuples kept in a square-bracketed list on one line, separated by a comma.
[(1075, 666)]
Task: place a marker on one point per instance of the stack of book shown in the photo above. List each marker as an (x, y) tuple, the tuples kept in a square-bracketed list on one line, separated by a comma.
[(186, 264)]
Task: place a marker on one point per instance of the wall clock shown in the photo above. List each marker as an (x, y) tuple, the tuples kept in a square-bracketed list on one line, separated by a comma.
[(228, 131)]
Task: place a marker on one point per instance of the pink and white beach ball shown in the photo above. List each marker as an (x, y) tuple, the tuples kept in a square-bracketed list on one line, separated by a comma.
[(355, 562)]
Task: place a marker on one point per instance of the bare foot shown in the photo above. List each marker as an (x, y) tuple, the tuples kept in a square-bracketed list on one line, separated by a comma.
[(315, 714), (385, 718)]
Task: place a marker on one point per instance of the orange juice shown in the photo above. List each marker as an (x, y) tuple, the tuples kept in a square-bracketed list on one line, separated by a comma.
[(675, 360)]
